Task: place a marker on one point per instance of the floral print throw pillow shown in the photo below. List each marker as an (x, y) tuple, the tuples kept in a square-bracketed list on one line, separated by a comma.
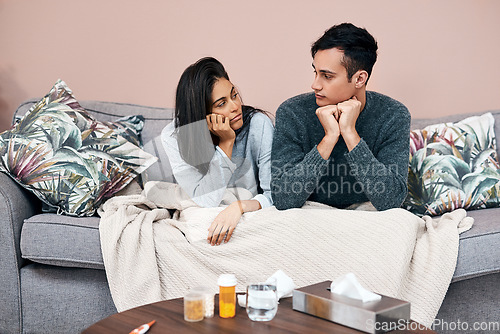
[(453, 166), (69, 160)]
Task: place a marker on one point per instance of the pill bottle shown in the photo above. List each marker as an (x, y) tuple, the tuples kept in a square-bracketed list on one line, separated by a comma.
[(208, 299), (227, 295), (193, 306)]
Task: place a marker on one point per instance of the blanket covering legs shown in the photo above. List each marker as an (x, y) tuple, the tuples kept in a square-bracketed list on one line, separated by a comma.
[(150, 255)]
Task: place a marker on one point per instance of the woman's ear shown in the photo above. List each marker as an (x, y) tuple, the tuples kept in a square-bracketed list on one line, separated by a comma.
[(360, 78)]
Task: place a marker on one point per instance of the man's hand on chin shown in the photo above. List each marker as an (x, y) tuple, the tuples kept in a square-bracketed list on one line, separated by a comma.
[(348, 113), (339, 120), (328, 116)]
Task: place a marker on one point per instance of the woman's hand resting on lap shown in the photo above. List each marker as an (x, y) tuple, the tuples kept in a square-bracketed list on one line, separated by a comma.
[(224, 224)]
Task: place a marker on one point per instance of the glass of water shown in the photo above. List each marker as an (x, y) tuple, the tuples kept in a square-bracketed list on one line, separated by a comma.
[(262, 300)]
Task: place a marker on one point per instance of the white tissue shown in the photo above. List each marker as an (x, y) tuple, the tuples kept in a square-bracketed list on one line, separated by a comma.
[(284, 287), (349, 286), (284, 284), (242, 300)]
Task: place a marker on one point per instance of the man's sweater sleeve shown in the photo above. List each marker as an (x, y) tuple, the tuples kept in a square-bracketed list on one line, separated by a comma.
[(384, 175), (295, 171)]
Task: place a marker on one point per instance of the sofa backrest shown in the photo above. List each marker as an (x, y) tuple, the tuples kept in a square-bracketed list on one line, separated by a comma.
[(157, 118)]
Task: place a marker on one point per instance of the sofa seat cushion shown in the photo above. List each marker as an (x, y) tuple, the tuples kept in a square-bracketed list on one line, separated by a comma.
[(75, 242), (479, 251), (62, 241)]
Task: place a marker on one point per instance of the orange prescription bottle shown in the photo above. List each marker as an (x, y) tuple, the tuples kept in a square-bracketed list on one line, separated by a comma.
[(227, 295)]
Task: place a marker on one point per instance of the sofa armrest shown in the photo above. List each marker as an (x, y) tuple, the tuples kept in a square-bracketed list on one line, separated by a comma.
[(16, 204)]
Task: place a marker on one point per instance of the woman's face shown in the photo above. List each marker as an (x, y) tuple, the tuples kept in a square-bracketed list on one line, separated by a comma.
[(227, 102)]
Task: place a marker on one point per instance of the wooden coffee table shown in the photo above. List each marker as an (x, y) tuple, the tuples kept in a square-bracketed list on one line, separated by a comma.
[(169, 316)]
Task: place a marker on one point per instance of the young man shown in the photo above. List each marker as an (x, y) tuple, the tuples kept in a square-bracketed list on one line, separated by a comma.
[(341, 144)]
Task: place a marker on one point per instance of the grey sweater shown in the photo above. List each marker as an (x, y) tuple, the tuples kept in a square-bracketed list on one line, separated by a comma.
[(375, 170)]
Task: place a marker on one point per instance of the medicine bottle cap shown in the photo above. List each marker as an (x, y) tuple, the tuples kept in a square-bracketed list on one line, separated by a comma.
[(227, 280)]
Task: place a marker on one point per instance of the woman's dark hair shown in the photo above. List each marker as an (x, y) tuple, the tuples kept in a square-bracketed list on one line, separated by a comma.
[(359, 47), (193, 102)]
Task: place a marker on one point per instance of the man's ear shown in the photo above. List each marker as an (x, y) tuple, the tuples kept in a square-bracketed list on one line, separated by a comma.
[(360, 78)]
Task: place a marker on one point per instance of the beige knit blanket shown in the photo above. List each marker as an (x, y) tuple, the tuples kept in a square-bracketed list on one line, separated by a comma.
[(150, 256)]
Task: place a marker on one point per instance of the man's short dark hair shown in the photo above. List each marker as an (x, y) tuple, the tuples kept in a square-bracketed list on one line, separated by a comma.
[(359, 47)]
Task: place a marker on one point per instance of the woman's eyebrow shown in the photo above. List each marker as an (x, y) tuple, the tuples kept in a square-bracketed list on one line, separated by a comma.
[(222, 98)]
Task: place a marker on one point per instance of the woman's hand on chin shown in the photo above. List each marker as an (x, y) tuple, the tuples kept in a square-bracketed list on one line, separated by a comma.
[(220, 126), (224, 224)]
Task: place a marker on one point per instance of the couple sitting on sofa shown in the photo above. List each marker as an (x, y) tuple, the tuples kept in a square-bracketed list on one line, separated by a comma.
[(339, 146)]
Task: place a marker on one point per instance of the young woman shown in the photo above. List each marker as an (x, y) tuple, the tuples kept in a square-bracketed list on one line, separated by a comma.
[(216, 143)]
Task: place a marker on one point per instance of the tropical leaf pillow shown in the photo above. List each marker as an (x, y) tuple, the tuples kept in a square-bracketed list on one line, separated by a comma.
[(129, 127), (453, 166), (69, 160)]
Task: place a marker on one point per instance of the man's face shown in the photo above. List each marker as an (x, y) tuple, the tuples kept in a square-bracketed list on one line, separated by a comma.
[(330, 84)]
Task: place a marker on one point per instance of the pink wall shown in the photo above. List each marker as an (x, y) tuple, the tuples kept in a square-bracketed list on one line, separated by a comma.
[(437, 57)]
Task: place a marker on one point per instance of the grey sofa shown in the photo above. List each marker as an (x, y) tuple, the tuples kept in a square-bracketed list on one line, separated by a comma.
[(52, 272)]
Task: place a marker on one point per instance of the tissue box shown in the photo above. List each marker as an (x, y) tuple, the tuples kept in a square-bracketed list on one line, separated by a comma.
[(371, 317)]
